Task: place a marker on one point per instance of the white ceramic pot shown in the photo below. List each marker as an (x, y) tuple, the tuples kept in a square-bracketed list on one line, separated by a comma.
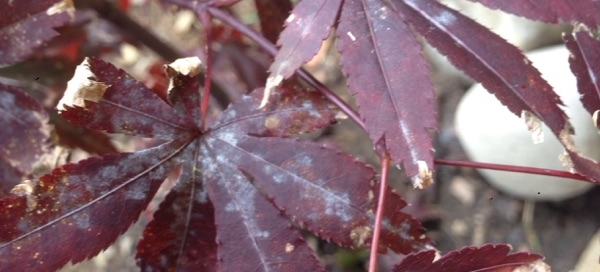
[(490, 133)]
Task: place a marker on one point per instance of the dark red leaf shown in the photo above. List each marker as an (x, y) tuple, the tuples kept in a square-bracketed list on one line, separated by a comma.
[(484, 56), (391, 86), (585, 65), (26, 141), (293, 112), (554, 11), (485, 258), (92, 141), (50, 223), (272, 15), (182, 234), (338, 201), (26, 25), (306, 28), (218, 166)]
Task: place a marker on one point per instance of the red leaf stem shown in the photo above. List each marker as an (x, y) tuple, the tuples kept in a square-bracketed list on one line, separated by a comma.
[(513, 168), (385, 165)]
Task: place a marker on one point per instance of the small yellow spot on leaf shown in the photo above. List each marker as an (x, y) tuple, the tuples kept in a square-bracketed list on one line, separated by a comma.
[(272, 122)]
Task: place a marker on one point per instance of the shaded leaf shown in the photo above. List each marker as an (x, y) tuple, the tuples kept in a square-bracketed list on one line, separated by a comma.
[(554, 11), (26, 25), (181, 237), (306, 28), (92, 141), (391, 86), (26, 141), (485, 258), (272, 15), (585, 65), (97, 197)]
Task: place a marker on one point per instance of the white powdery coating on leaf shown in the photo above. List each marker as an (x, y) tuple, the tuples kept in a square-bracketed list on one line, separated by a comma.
[(81, 220), (309, 108), (245, 200), (338, 206), (82, 87), (229, 137), (445, 18), (382, 13)]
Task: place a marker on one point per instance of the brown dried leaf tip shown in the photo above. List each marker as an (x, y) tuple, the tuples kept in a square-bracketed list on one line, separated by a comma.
[(62, 6), (425, 177), (82, 87), (534, 125), (25, 189)]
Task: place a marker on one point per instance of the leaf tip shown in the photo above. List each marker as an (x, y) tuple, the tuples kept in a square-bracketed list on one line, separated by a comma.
[(425, 176), (272, 83), (185, 66), (62, 6), (25, 189), (83, 86)]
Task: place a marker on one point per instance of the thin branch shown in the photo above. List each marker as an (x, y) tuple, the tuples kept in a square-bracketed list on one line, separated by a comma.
[(120, 19), (513, 168), (206, 20), (385, 165)]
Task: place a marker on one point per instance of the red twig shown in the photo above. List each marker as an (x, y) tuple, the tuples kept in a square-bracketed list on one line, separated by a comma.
[(206, 19), (513, 168), (385, 165)]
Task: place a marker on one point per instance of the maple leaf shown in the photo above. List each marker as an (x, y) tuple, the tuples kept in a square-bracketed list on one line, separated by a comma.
[(485, 258), (221, 212), (585, 65), (305, 29), (370, 34), (38, 18), (26, 141)]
